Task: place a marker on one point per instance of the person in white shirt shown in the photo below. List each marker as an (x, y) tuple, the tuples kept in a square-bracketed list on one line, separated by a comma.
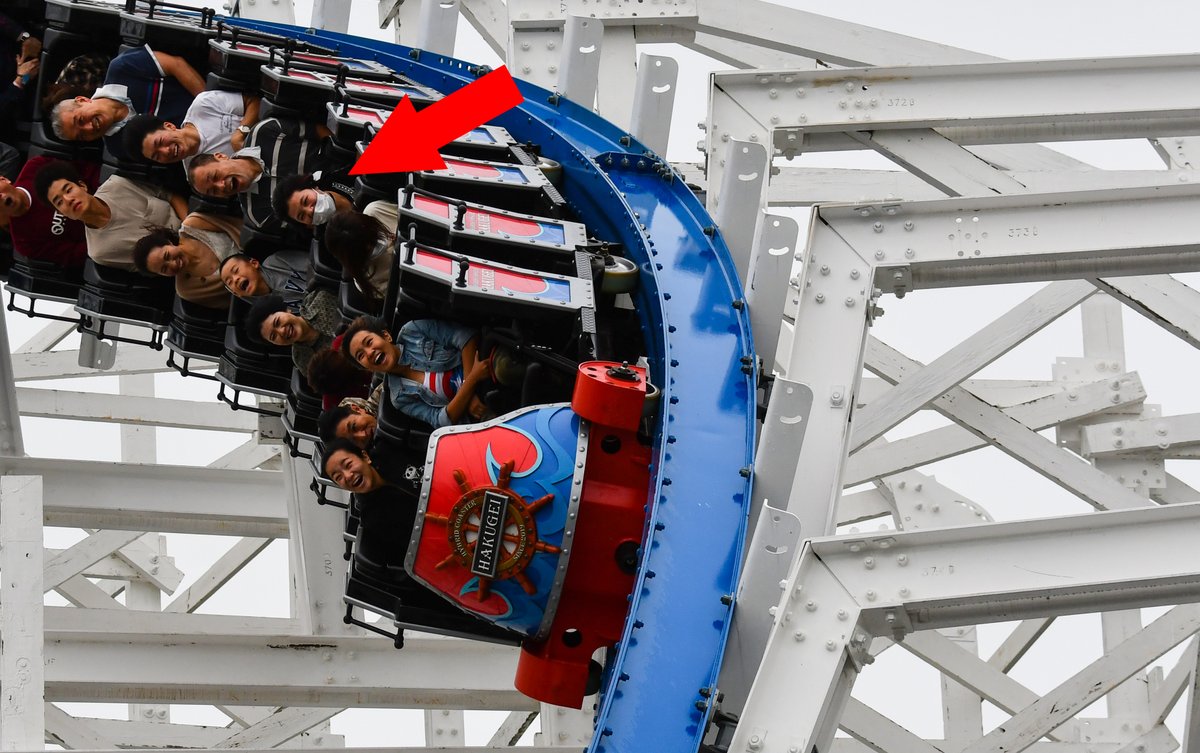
[(217, 121)]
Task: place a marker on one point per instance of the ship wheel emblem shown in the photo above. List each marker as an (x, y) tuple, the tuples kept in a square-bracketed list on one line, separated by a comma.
[(492, 532)]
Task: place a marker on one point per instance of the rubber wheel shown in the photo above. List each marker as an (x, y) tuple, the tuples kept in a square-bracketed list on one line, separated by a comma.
[(551, 169), (620, 275)]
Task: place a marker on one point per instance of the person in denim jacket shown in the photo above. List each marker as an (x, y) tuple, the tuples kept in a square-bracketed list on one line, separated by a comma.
[(431, 367)]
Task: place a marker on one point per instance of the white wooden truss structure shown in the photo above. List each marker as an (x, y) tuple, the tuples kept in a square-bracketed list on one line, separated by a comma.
[(978, 202)]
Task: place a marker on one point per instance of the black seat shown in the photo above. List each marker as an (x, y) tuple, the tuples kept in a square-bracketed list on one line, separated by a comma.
[(112, 296), (249, 367), (42, 281), (327, 272), (301, 410), (196, 333)]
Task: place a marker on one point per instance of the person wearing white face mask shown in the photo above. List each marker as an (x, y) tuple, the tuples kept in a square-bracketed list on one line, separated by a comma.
[(310, 200)]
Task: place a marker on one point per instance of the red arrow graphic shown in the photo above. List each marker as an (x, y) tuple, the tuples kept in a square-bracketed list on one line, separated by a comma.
[(409, 140)]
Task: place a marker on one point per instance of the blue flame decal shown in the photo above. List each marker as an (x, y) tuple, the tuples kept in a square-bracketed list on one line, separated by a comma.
[(472, 586), (493, 467)]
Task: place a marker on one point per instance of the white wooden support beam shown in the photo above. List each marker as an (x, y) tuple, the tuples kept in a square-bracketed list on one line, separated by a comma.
[(221, 571), (769, 281), (332, 15), (879, 733), (1155, 435), (1191, 722), (490, 19), (533, 53), (1162, 299), (438, 26), (1069, 404), (83, 593), (920, 501), (1166, 694), (989, 103), (512, 729), (564, 726), (740, 208), (22, 669), (618, 66), (133, 410), (863, 505), (249, 456), (278, 728), (444, 728), (1181, 153), (987, 240), (1094, 681), (820, 37), (1020, 640), (281, 670), (579, 74), (11, 441), (972, 672), (316, 546), (1003, 571), (88, 494), (47, 337), (307, 747), (654, 101), (63, 364), (144, 734), (977, 351), (145, 556), (109, 568), (73, 561), (939, 162), (805, 186), (830, 319), (1014, 439), (120, 620), (73, 733), (962, 708)]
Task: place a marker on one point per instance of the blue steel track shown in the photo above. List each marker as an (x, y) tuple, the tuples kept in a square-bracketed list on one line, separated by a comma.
[(659, 684)]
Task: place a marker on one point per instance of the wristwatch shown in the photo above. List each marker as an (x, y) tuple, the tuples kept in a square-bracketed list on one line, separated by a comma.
[(24, 35), (244, 130)]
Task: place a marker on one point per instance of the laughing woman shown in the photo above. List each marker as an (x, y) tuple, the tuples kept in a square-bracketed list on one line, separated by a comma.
[(431, 367), (193, 256)]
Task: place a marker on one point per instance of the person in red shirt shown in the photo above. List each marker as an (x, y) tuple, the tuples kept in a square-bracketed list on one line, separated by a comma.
[(38, 231)]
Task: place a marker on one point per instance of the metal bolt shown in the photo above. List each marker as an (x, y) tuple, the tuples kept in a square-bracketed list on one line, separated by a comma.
[(811, 606), (755, 742), (820, 298), (830, 646), (824, 269), (869, 563), (878, 227), (902, 560), (904, 591), (1118, 443), (849, 302), (854, 274), (842, 614), (1117, 430), (880, 254), (871, 595), (798, 636)]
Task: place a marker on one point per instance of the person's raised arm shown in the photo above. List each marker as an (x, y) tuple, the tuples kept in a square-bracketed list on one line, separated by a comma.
[(470, 352), (179, 204), (250, 110), (462, 399), (181, 71)]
